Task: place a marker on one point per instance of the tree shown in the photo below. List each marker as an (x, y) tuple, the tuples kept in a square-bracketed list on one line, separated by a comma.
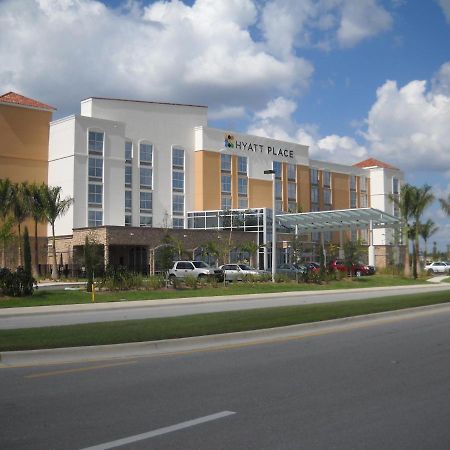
[(35, 194), (6, 233), (427, 229), (421, 197), (20, 211), (404, 203), (250, 247), (445, 204), (26, 252), (352, 253), (54, 207)]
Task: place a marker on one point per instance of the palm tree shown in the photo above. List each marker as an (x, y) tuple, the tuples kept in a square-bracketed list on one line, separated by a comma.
[(427, 229), (445, 204), (404, 203), (422, 197), (37, 212), (20, 211), (54, 207), (5, 207)]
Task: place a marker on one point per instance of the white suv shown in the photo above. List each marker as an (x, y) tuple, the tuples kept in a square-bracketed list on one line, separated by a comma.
[(196, 269), (437, 267)]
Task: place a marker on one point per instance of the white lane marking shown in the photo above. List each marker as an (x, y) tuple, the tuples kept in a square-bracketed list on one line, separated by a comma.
[(159, 431)]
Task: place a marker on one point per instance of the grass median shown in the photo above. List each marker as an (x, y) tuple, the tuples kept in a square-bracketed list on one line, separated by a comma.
[(205, 324), (62, 297)]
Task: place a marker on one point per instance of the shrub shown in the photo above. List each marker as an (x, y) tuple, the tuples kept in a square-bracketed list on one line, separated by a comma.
[(119, 278), (16, 284), (282, 278), (265, 277), (156, 282), (191, 282)]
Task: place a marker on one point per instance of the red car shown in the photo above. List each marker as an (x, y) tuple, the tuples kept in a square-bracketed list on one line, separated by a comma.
[(362, 269)]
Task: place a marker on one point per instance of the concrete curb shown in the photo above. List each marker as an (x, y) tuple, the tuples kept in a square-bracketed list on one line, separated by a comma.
[(32, 310), (208, 343)]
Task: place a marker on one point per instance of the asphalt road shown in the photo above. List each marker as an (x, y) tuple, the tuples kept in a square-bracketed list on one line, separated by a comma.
[(106, 312), (375, 387)]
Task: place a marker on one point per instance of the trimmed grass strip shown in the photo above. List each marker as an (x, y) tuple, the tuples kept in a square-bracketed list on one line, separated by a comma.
[(205, 324)]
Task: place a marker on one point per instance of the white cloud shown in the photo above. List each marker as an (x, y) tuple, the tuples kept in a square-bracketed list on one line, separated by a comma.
[(445, 5), (224, 112), (441, 81)]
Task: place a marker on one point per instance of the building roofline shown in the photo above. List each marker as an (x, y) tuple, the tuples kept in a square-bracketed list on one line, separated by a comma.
[(14, 99), (142, 101)]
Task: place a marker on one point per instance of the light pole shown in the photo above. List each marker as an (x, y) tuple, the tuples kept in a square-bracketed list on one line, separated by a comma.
[(274, 226)]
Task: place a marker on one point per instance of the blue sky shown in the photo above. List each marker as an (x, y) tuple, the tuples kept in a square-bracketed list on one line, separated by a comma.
[(349, 78)]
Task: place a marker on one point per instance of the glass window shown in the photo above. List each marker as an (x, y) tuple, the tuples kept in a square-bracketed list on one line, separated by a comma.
[(363, 201), (128, 200), (363, 183), (243, 202), (128, 151), (278, 205), (225, 202), (145, 153), (178, 222), (352, 182), (352, 199), (242, 186), (178, 181), (146, 177), (314, 194), (327, 236), (95, 142), (278, 168), (395, 186), (278, 188), (145, 201), (292, 190), (292, 207), (326, 178), (292, 172), (128, 175), (327, 196), (315, 207), (242, 164), (225, 163), (145, 221), (178, 204), (226, 183), (128, 220), (95, 218), (95, 168), (178, 158), (314, 176), (95, 194)]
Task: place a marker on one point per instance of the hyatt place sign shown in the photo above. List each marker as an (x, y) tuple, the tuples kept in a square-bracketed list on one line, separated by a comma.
[(231, 142)]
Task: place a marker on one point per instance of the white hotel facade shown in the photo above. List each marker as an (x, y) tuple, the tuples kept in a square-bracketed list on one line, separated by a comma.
[(148, 164)]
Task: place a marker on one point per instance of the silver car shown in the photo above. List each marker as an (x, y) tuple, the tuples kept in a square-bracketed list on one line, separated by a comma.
[(238, 272)]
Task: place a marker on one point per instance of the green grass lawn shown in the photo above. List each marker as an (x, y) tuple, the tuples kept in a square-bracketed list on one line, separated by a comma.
[(61, 297), (204, 324)]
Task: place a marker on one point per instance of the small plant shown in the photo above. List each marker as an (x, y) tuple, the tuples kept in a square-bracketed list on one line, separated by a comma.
[(119, 278), (191, 282), (281, 278), (155, 282), (16, 284)]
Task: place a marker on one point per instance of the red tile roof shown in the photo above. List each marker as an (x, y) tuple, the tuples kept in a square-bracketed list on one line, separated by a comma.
[(372, 162), (17, 99)]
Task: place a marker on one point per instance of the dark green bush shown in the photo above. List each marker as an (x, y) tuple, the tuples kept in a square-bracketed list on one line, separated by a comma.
[(16, 284), (119, 278)]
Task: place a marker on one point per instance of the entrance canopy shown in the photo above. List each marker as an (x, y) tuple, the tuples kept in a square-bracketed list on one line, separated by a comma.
[(344, 219)]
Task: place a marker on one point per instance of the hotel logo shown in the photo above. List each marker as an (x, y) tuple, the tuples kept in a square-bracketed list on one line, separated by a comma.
[(230, 141)]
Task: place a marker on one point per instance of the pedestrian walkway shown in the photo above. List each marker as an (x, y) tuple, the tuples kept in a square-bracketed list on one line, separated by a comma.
[(438, 279)]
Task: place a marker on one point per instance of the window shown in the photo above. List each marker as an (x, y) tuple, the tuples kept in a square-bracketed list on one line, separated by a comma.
[(395, 186), (95, 168), (146, 177), (242, 186), (315, 207), (95, 218), (278, 169), (326, 179), (292, 207), (327, 196), (145, 221), (278, 188), (363, 201), (178, 181), (178, 158), (145, 201), (352, 182), (314, 194), (128, 220), (278, 205), (178, 222), (292, 172), (128, 176), (327, 236), (292, 190), (178, 204), (128, 151), (128, 200), (225, 163), (226, 183), (145, 153), (225, 202), (95, 144), (243, 203), (362, 183), (242, 165), (95, 194), (314, 176), (352, 199)]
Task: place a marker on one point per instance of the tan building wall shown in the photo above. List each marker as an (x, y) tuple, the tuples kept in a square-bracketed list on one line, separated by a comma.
[(259, 193), (207, 180), (304, 188), (340, 190)]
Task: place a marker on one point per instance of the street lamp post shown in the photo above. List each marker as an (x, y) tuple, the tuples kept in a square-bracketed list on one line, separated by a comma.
[(274, 226)]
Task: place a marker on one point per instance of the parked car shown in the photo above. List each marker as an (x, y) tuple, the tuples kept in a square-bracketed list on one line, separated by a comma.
[(291, 270), (437, 267), (357, 268), (197, 269), (312, 267), (237, 272)]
